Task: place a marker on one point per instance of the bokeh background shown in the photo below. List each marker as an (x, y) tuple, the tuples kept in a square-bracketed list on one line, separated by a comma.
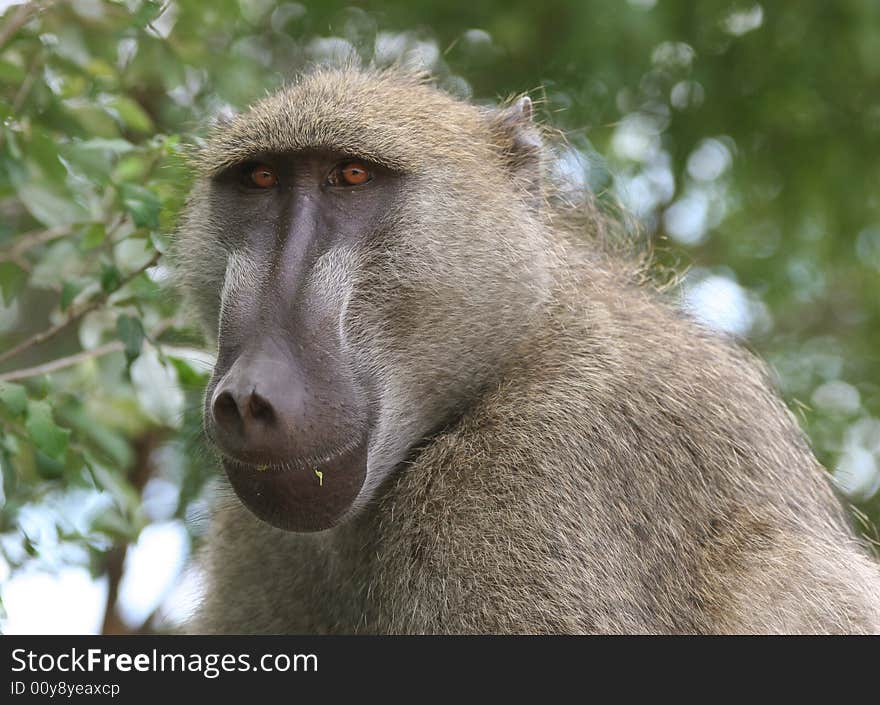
[(742, 137)]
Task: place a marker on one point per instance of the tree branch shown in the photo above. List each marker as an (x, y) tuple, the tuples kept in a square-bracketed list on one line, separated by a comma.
[(28, 83), (62, 362), (25, 89), (18, 19), (138, 477), (50, 333), (71, 360), (32, 239)]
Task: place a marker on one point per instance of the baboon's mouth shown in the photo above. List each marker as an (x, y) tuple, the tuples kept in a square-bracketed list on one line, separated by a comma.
[(301, 495)]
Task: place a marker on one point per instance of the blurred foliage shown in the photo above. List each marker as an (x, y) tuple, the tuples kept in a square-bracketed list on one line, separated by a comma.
[(745, 138)]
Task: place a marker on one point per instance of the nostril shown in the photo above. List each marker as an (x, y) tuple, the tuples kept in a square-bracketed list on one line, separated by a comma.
[(260, 409), (226, 411)]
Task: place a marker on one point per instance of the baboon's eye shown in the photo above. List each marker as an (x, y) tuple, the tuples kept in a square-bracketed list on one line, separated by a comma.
[(353, 173), (261, 176)]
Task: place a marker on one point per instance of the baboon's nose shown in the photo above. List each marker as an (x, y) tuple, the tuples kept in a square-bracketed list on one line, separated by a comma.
[(233, 411), (254, 411)]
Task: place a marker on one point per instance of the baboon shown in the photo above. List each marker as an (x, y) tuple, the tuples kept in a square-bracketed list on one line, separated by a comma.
[(443, 405)]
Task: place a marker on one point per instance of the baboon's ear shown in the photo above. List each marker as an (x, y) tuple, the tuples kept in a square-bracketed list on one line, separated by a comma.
[(519, 140)]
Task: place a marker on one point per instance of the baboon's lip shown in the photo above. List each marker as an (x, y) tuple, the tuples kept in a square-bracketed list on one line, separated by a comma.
[(301, 495)]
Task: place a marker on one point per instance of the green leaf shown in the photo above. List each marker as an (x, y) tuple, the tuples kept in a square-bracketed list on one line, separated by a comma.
[(111, 278), (188, 376), (99, 436), (45, 434), (159, 242), (14, 151), (115, 483), (9, 475), (10, 73), (142, 204), (13, 397), (50, 206), (42, 151), (95, 158), (48, 468), (131, 167), (29, 547), (147, 12), (114, 146), (113, 524), (93, 236), (131, 114), (12, 281), (128, 301), (100, 69), (68, 293), (131, 332), (93, 119)]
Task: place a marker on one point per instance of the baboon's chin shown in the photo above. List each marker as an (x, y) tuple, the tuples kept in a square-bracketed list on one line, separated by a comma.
[(296, 496)]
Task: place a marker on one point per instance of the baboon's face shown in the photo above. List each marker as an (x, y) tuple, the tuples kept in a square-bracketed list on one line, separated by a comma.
[(364, 282), (288, 404)]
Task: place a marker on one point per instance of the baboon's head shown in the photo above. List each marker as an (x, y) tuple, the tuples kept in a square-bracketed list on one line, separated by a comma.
[(367, 251)]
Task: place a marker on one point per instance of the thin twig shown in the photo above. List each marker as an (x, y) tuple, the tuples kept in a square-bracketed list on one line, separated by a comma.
[(71, 360), (25, 88), (49, 333), (62, 362), (31, 239), (18, 19)]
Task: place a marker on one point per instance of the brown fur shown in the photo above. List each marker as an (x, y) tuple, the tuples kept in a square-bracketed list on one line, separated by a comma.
[(586, 458)]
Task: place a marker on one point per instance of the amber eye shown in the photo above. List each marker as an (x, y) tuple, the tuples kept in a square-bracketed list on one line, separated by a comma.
[(262, 176), (352, 173)]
